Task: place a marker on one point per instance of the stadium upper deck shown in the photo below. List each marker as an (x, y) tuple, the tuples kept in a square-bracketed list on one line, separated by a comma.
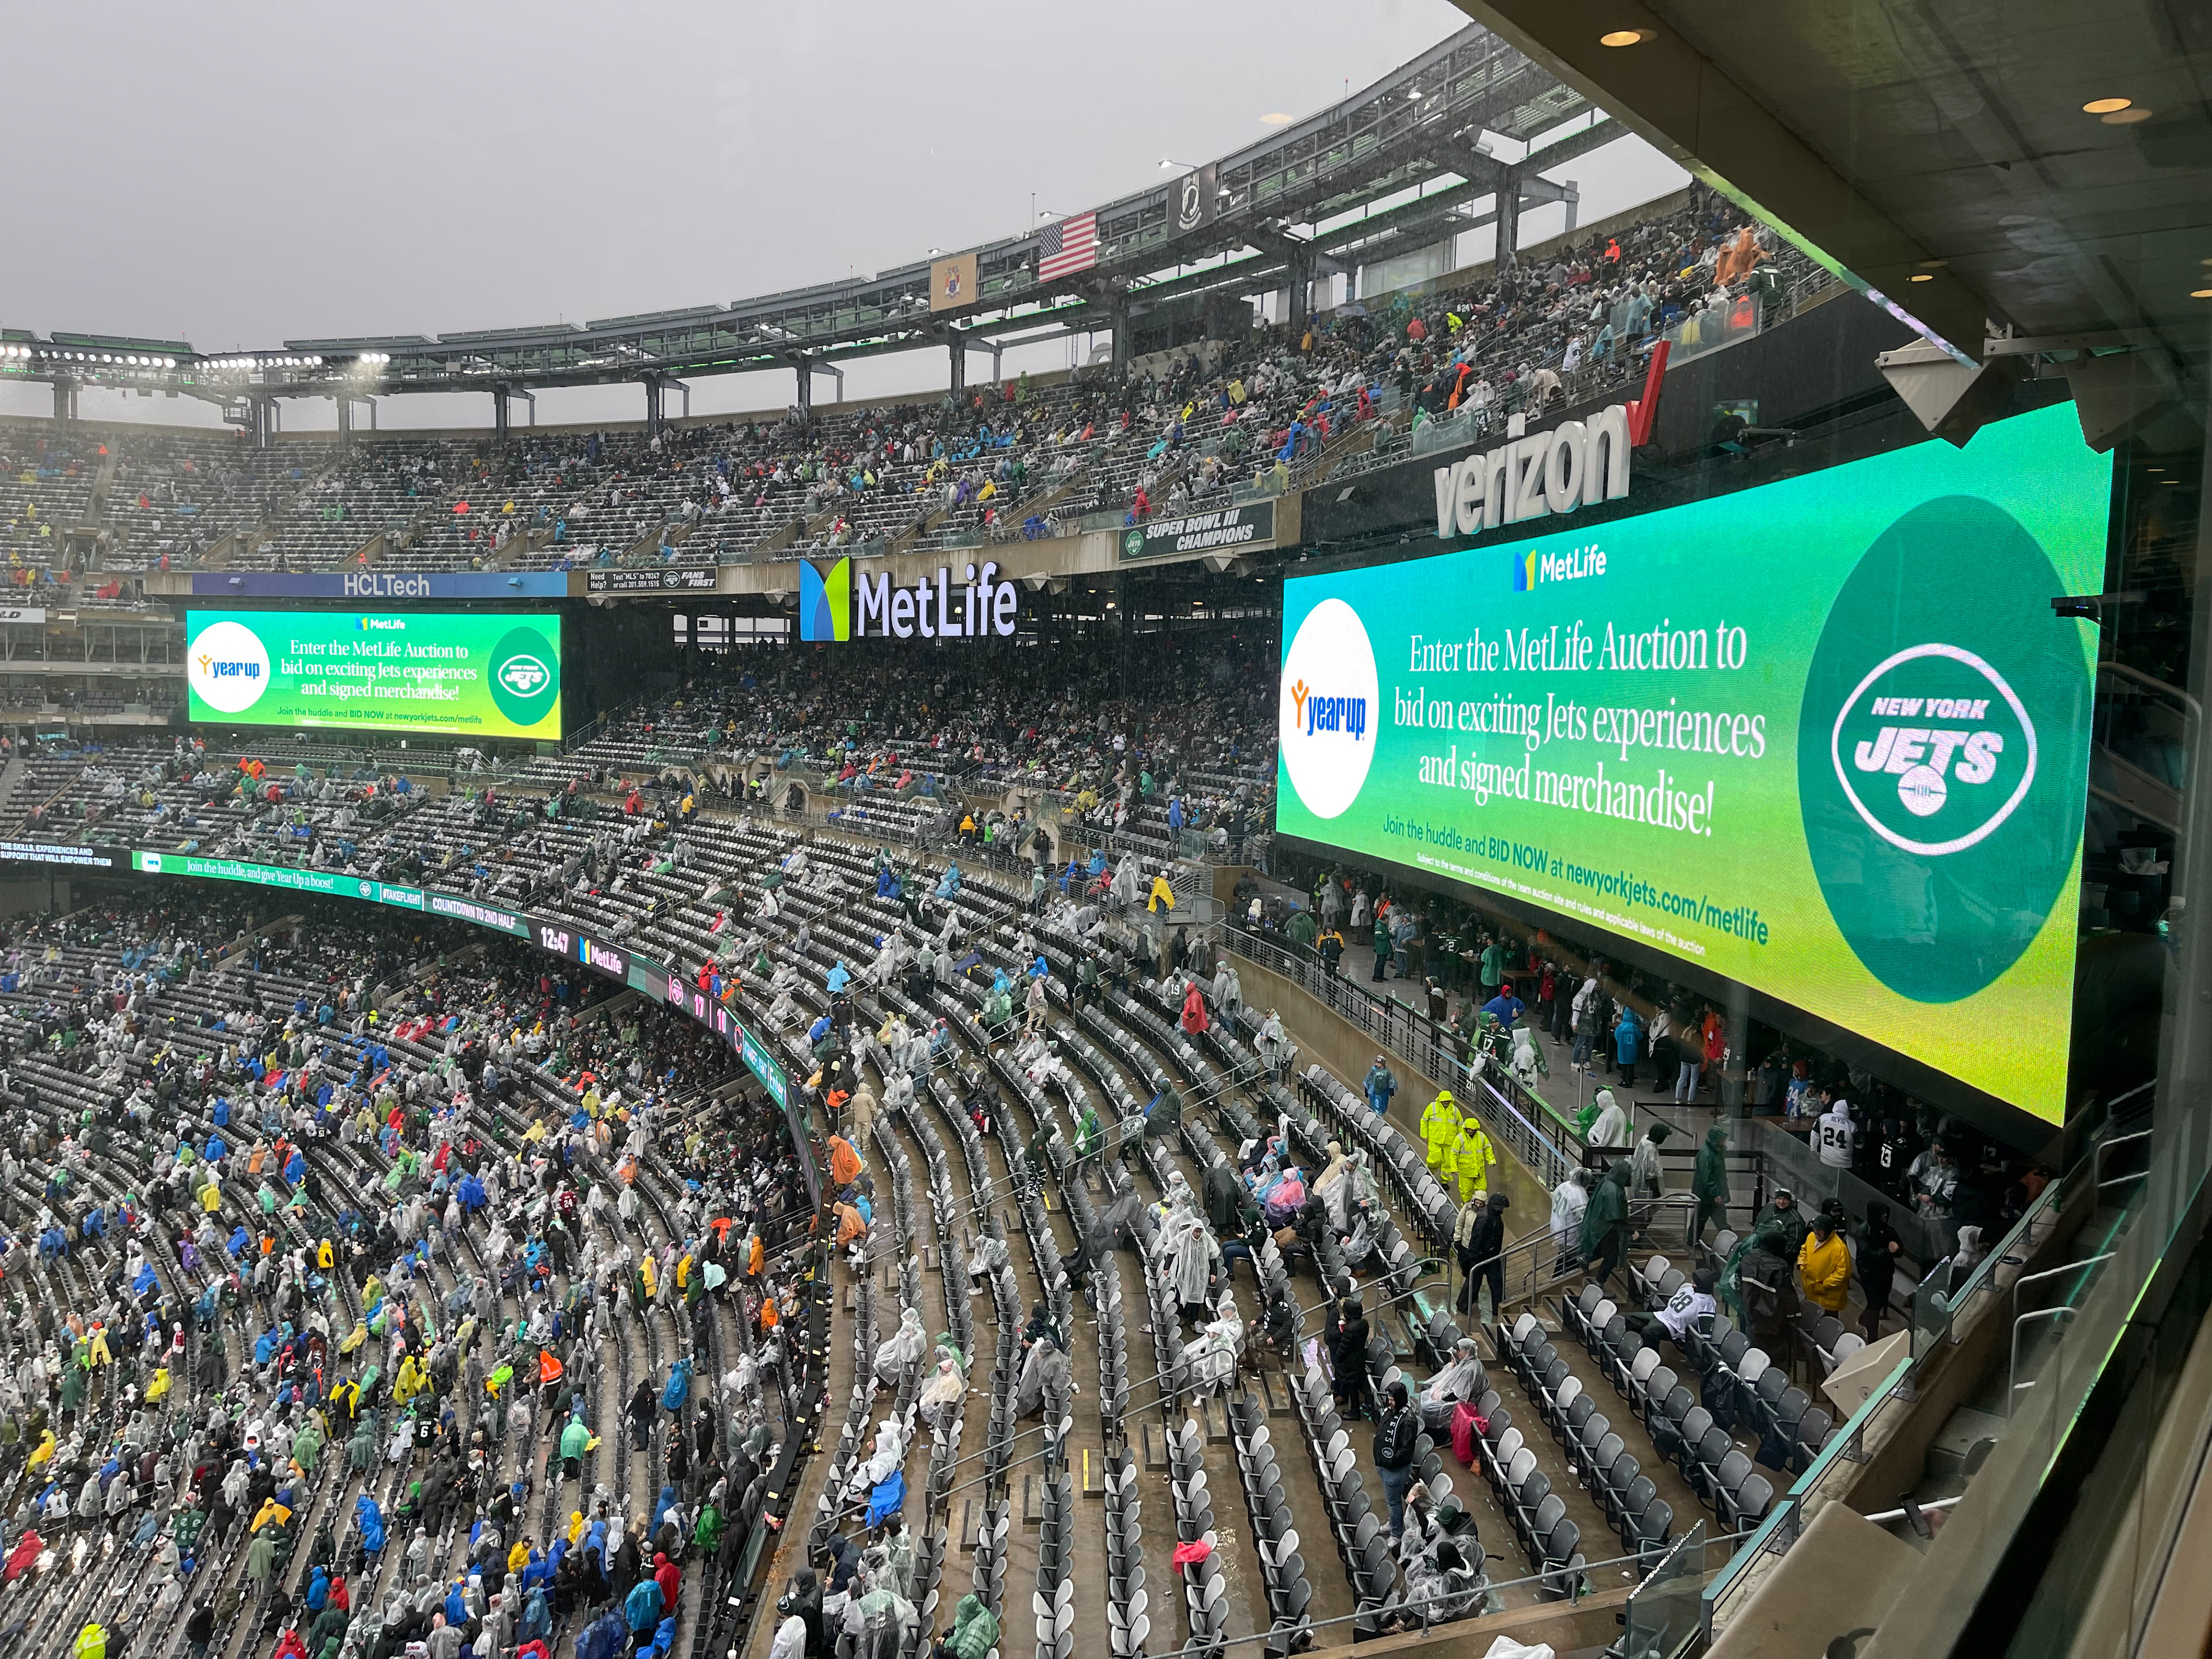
[(1574, 320), (1398, 167)]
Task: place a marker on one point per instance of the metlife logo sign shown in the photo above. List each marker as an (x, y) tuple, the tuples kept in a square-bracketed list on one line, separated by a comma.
[(602, 958), (1532, 570), (595, 954)]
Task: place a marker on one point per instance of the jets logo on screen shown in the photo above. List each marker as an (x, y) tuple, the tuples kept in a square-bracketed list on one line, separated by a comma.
[(1934, 749), (1942, 832), (525, 676), (228, 667), (1326, 722), (825, 603)]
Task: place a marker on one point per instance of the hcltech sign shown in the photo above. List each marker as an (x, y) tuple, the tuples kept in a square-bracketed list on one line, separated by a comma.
[(1576, 463)]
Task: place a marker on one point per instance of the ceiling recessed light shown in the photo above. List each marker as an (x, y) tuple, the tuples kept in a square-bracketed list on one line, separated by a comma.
[(2125, 117), (2104, 105), (1921, 276), (1277, 119), (2200, 293), (1623, 37)]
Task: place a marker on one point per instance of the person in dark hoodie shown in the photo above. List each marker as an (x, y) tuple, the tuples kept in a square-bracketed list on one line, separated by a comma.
[(1478, 1241), (199, 1628), (1709, 1185), (1221, 1193), (803, 1600), (1604, 1239), (1879, 1249), (629, 1563), (1347, 1354), (1769, 1289), (1312, 1219)]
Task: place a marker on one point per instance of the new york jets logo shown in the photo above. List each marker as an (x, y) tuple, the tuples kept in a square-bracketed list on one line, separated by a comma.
[(1941, 747), (523, 675), (1933, 749)]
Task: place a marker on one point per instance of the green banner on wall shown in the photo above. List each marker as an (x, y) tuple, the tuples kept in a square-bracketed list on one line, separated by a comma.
[(290, 880)]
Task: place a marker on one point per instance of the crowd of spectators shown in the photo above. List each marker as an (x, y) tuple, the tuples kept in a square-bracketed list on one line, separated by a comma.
[(1023, 457), (340, 1211), (1623, 1044)]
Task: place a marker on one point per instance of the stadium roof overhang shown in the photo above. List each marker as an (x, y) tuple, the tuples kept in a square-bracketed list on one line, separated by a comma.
[(1398, 166), (1935, 153)]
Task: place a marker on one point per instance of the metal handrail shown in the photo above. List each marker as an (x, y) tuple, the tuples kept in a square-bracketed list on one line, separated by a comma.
[(1406, 1033), (1783, 1522), (2097, 1165), (2013, 1384), (1846, 1443), (2040, 1313), (1984, 1277), (2151, 683)]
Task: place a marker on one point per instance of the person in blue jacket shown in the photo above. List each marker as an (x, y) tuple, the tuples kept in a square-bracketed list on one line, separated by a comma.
[(1628, 1045), (642, 1608)]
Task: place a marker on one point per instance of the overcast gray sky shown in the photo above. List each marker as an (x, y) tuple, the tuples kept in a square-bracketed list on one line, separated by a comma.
[(235, 175)]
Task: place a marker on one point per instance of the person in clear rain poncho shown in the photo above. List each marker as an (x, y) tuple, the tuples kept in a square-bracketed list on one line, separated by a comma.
[(1214, 1355), (1187, 1245), (900, 1350)]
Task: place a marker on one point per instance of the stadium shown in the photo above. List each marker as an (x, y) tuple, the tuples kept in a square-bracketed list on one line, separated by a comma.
[(1428, 887)]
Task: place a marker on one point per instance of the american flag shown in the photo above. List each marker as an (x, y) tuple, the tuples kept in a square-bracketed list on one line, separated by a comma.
[(1067, 246)]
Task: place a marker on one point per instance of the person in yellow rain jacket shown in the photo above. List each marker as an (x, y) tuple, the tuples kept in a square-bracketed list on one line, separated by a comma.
[(409, 1383), (1824, 1262), (649, 1270), (1472, 1158), (1439, 1128), (157, 1386)]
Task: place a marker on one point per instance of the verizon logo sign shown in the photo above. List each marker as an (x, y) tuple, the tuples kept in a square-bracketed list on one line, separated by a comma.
[(1576, 463)]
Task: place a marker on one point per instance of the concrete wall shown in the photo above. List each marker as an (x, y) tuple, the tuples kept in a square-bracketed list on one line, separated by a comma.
[(1566, 1627), (35, 896)]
